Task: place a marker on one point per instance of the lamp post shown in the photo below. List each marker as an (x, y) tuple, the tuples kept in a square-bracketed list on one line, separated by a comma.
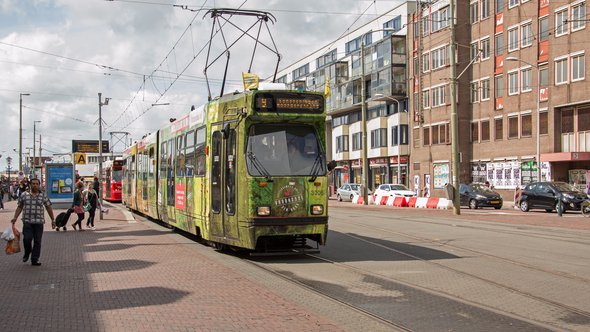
[(100, 105), (538, 97), (20, 131), (399, 134), (34, 147), (365, 161)]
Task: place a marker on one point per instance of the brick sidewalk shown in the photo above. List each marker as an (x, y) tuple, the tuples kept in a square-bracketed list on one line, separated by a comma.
[(141, 277)]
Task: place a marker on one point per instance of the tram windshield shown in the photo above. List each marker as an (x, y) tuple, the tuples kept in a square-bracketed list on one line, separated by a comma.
[(117, 175), (284, 149)]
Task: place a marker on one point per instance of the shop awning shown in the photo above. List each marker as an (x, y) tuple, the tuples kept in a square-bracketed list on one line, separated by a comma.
[(565, 156)]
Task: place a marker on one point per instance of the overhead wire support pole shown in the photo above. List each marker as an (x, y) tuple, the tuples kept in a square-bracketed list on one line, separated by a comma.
[(454, 117)]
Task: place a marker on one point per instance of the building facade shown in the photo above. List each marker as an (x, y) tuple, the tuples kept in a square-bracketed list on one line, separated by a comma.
[(520, 89), (340, 67)]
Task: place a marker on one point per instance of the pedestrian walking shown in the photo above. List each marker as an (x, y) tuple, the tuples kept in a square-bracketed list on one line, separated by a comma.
[(32, 203), (92, 200), (96, 185), (78, 205)]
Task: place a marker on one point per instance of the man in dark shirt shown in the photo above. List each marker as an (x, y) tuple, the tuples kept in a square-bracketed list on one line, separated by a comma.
[(32, 203)]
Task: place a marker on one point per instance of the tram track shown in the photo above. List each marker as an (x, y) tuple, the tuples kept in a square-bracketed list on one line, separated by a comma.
[(480, 253)]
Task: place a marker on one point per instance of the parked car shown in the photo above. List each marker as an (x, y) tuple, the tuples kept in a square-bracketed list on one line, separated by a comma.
[(394, 190), (347, 191), (477, 195), (545, 195)]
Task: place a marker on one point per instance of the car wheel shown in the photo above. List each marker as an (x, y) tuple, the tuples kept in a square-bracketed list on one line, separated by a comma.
[(473, 204), (524, 206), (339, 197), (548, 210), (557, 207), (351, 197)]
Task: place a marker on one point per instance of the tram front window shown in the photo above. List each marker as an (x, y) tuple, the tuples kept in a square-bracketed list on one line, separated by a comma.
[(117, 176), (280, 150)]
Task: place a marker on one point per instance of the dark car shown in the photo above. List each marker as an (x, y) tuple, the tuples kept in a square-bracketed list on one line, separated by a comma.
[(545, 195), (477, 195)]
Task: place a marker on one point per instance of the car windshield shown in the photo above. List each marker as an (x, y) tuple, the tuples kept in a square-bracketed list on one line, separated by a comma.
[(481, 188), (562, 186), (398, 187)]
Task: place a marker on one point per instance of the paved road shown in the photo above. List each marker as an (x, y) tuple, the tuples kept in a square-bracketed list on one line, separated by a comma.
[(137, 276)]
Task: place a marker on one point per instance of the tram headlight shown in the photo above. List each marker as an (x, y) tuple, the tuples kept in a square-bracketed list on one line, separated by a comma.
[(317, 209), (263, 210)]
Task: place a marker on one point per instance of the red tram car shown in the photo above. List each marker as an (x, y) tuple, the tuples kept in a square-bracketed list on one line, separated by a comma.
[(112, 175)]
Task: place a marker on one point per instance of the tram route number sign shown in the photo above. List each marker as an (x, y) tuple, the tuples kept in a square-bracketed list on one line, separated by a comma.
[(89, 146)]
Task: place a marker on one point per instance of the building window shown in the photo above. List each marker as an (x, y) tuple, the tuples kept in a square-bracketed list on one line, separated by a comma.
[(512, 39), (578, 16), (443, 17), (474, 132), (485, 89), (499, 6), (513, 127), (543, 76), (379, 138), (526, 34), (474, 52), (526, 83), (543, 28), (355, 44), (526, 122), (485, 130), (485, 48), (395, 135), (426, 135), (578, 67), (356, 142), (474, 11), (326, 59), (499, 44), (426, 99), (474, 92), (485, 9), (567, 121), (513, 83), (512, 3), (561, 25), (342, 143), (301, 71), (439, 57), (499, 86), (438, 96), (499, 129), (543, 123), (395, 24), (425, 62), (426, 25), (440, 134), (561, 73)]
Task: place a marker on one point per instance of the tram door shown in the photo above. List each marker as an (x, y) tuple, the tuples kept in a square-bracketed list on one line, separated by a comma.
[(224, 222)]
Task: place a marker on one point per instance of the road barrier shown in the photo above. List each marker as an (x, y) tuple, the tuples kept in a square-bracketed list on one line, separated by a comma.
[(401, 201)]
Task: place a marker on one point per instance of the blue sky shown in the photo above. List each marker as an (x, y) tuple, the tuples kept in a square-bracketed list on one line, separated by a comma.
[(63, 52)]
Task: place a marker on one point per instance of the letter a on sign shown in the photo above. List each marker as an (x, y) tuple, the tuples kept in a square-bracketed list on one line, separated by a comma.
[(80, 158)]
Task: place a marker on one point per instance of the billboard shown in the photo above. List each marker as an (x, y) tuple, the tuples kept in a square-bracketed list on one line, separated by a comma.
[(59, 182)]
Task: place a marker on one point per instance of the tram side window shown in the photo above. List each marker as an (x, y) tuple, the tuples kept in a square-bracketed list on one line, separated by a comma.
[(162, 159), (216, 172), (200, 151), (230, 173), (151, 162), (190, 153), (180, 161)]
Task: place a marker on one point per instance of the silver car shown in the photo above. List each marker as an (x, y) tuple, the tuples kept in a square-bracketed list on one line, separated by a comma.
[(347, 191)]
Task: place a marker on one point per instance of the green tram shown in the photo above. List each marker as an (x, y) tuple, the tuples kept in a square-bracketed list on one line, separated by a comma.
[(246, 170)]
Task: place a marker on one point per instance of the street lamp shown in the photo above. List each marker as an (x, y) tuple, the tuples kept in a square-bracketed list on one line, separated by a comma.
[(20, 131), (34, 141), (365, 161), (399, 134), (538, 134)]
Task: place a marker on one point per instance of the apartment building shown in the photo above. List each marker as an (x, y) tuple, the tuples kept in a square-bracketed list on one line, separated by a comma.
[(521, 93), (340, 66)]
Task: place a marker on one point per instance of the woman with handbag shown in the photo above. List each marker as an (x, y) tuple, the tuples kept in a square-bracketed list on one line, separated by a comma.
[(92, 203), (78, 205)]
